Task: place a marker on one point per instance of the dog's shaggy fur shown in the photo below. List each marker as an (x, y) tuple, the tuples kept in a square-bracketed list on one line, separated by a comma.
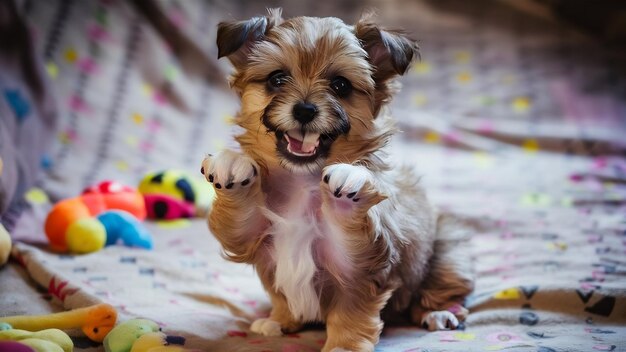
[(335, 233)]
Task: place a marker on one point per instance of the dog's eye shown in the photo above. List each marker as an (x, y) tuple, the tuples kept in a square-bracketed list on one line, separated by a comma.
[(277, 79), (341, 86)]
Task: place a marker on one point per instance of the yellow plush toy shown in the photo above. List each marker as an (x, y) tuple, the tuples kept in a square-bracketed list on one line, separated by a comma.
[(5, 239), (5, 245), (156, 342), (142, 335), (95, 321)]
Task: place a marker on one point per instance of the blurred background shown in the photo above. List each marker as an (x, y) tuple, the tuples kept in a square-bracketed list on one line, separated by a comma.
[(515, 116), (128, 86), (119, 81)]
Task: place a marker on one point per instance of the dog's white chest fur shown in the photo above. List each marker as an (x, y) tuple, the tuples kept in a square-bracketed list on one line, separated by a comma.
[(300, 236)]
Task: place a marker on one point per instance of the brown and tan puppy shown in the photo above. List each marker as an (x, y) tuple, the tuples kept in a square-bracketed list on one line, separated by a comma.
[(335, 233)]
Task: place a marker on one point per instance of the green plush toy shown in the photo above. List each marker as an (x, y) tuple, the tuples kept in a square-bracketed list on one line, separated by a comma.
[(123, 336)]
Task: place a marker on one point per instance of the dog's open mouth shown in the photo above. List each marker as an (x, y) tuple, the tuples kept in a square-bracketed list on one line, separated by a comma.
[(307, 145), (302, 145)]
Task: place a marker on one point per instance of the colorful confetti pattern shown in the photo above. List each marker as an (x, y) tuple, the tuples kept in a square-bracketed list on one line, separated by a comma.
[(516, 124)]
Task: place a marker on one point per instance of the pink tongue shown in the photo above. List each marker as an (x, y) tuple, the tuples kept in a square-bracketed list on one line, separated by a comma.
[(302, 143), (301, 147), (296, 145)]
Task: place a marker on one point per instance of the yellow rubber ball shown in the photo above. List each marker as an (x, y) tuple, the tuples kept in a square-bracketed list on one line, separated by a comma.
[(85, 236)]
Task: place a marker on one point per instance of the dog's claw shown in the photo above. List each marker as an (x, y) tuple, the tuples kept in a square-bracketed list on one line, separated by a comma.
[(229, 169), (353, 182)]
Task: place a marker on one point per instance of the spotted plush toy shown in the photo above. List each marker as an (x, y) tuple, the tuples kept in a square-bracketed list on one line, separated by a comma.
[(175, 194)]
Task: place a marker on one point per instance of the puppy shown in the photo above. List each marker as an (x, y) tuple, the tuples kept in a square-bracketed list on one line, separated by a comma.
[(335, 233)]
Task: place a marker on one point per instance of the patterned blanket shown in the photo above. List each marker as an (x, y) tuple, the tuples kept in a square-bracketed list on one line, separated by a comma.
[(515, 123)]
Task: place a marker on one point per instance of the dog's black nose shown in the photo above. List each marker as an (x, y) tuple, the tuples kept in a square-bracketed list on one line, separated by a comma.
[(304, 112)]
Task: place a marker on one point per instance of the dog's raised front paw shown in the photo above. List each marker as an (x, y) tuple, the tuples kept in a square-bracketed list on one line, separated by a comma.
[(351, 183), (229, 170), (346, 180), (266, 327), (439, 320)]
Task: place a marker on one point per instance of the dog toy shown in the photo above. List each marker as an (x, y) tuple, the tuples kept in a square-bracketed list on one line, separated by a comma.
[(123, 336), (13, 346), (141, 335), (5, 245), (95, 321), (159, 342), (49, 340), (122, 226), (5, 238), (103, 215), (175, 194)]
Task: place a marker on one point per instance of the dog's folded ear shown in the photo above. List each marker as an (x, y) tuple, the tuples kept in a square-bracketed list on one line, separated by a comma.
[(236, 38), (390, 52)]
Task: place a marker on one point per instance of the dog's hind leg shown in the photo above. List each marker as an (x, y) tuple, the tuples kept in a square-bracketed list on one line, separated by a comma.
[(280, 321), (449, 280)]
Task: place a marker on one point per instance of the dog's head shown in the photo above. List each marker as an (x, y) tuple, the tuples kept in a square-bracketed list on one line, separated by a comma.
[(311, 88)]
